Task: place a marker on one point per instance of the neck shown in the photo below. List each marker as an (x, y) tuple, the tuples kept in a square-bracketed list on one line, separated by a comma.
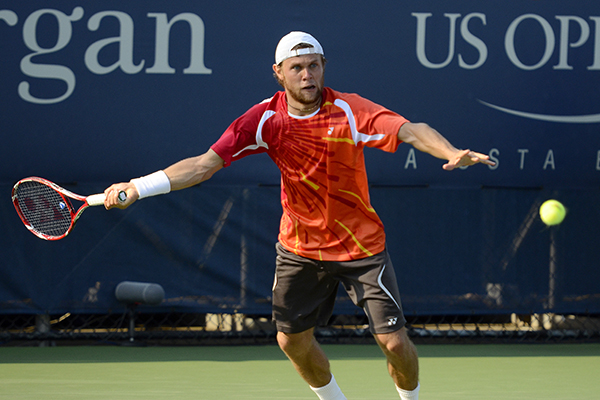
[(304, 110)]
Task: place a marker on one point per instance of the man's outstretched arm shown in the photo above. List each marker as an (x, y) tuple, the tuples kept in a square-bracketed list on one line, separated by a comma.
[(183, 174), (426, 139)]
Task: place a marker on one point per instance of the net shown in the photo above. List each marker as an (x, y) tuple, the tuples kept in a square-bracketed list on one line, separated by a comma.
[(43, 208)]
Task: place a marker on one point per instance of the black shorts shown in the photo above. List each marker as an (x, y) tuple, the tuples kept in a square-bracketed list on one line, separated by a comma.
[(304, 291)]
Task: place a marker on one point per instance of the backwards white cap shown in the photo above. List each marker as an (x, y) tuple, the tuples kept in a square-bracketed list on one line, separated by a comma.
[(292, 39)]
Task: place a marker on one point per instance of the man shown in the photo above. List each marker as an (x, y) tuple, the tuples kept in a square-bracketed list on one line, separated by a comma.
[(329, 232)]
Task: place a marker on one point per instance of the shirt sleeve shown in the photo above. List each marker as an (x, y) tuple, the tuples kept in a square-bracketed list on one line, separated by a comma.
[(240, 138), (377, 122)]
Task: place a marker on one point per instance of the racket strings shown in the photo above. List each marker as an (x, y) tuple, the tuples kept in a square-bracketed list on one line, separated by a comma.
[(45, 209)]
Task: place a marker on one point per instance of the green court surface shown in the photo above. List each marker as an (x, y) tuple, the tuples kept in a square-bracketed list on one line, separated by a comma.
[(478, 372)]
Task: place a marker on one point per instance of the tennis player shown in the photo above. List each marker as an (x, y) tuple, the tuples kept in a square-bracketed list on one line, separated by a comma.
[(329, 232)]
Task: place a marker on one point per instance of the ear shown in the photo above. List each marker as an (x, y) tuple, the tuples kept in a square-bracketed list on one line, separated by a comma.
[(277, 71)]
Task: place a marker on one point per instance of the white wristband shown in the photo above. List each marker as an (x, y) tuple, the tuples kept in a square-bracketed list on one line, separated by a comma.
[(153, 184)]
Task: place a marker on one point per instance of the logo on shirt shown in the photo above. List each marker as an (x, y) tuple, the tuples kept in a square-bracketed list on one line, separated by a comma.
[(330, 130)]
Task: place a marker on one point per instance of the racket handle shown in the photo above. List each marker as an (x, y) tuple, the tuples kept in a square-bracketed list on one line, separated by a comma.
[(122, 196), (96, 199)]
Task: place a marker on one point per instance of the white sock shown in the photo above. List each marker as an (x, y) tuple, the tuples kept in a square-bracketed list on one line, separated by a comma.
[(331, 391), (409, 394)]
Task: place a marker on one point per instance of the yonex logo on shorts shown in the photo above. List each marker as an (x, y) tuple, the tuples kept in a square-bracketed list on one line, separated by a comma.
[(392, 321)]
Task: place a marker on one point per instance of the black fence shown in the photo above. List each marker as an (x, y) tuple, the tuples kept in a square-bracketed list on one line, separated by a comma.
[(171, 328)]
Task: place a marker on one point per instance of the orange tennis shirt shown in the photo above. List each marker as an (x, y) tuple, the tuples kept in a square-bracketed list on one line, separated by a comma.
[(327, 213)]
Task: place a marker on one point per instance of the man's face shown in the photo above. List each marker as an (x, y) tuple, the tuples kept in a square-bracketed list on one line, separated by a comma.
[(302, 78)]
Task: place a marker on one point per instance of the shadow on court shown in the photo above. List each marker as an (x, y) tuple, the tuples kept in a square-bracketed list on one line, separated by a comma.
[(116, 354)]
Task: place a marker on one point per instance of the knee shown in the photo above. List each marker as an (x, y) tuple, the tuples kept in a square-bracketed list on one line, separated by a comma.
[(395, 343), (295, 344)]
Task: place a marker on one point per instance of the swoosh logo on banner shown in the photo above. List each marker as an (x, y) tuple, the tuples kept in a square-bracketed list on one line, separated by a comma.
[(568, 119)]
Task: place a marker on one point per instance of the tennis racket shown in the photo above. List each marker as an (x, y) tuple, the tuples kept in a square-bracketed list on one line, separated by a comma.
[(46, 210)]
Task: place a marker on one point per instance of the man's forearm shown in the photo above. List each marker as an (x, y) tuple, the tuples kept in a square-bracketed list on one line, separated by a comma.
[(426, 139)]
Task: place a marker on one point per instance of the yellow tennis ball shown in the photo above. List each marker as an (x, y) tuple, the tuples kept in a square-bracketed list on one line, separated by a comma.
[(552, 212)]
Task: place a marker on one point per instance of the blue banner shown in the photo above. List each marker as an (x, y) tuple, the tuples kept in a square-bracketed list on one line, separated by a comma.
[(115, 90)]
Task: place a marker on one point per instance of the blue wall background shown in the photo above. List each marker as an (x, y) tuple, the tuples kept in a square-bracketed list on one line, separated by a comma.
[(102, 92)]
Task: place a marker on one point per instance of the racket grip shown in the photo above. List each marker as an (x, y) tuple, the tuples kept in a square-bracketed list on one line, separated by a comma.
[(96, 199), (122, 197)]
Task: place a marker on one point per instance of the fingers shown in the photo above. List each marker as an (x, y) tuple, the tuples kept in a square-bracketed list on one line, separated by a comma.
[(482, 158), (466, 158), (457, 160), (120, 195)]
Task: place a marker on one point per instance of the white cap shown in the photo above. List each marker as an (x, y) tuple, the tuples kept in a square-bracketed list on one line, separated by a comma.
[(292, 39)]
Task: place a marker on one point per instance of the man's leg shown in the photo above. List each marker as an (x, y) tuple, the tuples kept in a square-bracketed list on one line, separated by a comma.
[(306, 355), (402, 358), (310, 361)]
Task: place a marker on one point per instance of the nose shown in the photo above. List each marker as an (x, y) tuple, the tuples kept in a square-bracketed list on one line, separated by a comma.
[(306, 74)]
